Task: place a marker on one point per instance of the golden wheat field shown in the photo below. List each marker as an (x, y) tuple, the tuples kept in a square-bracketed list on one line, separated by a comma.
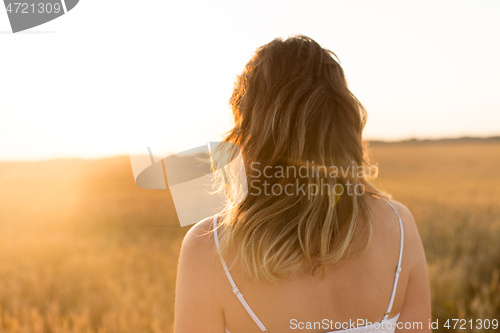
[(83, 249)]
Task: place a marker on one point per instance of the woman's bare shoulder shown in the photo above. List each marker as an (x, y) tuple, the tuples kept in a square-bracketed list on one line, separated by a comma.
[(387, 223), (198, 258), (382, 210), (199, 240), (413, 251), (198, 281), (411, 234)]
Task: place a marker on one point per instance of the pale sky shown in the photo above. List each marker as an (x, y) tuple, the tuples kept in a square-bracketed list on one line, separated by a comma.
[(116, 76)]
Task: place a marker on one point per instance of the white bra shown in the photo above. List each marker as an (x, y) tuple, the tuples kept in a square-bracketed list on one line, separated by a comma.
[(387, 325)]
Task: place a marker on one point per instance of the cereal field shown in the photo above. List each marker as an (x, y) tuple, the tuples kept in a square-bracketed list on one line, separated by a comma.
[(83, 249)]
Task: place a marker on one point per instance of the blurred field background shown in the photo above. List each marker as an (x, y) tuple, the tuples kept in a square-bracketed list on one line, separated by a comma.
[(83, 249)]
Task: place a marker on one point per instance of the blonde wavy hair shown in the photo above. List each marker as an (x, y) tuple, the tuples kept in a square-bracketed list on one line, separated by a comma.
[(292, 108)]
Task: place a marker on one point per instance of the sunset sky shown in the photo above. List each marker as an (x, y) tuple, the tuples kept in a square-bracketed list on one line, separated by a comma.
[(113, 77)]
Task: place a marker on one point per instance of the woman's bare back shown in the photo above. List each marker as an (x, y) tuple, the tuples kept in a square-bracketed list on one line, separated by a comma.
[(357, 288)]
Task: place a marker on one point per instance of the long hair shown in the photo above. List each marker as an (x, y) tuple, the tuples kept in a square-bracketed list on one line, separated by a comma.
[(299, 129)]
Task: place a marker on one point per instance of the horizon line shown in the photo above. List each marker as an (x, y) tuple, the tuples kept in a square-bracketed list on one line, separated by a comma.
[(413, 140)]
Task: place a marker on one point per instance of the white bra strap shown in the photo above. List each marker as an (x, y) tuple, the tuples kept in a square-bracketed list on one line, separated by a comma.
[(398, 268), (235, 289)]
